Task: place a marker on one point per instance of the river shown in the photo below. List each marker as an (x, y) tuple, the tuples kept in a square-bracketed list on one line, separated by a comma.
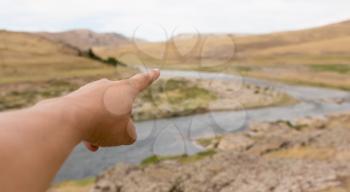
[(173, 136)]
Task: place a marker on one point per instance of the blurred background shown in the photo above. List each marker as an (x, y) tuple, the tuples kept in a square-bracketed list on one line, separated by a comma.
[(253, 95)]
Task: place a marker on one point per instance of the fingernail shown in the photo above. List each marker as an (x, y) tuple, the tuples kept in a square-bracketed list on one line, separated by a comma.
[(158, 72)]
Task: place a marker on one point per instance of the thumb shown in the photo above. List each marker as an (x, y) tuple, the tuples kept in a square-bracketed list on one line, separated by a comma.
[(142, 80)]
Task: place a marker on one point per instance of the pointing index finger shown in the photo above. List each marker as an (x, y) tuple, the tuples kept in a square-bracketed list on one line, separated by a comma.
[(142, 80)]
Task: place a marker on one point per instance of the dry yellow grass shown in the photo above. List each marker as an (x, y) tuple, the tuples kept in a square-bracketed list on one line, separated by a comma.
[(344, 187), (304, 153), (330, 39), (305, 77), (72, 188), (340, 46), (261, 42), (290, 55), (83, 185), (22, 45), (33, 68), (175, 51), (28, 58), (336, 189)]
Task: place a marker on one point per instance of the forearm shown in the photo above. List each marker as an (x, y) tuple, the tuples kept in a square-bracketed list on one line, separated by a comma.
[(34, 143)]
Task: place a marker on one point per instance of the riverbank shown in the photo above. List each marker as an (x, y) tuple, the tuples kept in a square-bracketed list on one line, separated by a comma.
[(334, 76), (307, 154), (173, 97), (168, 97)]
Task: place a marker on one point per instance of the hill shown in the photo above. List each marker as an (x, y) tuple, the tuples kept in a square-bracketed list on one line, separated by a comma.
[(26, 57), (317, 56), (33, 68), (337, 30), (325, 40), (85, 39)]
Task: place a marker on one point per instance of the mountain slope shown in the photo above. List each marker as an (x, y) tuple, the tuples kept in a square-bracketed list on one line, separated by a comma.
[(25, 57), (334, 46), (85, 39), (326, 40), (258, 43), (318, 56), (21, 44)]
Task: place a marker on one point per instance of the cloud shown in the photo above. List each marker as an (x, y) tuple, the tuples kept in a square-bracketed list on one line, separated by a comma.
[(249, 16)]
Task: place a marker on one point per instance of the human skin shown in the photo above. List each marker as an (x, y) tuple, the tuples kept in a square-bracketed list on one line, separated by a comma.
[(34, 142)]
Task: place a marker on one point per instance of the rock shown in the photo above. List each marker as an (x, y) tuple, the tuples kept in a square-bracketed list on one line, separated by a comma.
[(104, 186), (273, 144), (237, 142), (245, 162), (314, 122), (262, 129), (229, 171)]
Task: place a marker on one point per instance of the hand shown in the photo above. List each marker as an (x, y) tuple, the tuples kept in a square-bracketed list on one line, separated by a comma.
[(38, 139), (103, 110)]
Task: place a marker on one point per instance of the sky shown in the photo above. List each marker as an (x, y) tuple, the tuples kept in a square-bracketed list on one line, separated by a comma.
[(161, 19)]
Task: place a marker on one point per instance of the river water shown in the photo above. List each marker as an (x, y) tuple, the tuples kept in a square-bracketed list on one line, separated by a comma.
[(174, 136)]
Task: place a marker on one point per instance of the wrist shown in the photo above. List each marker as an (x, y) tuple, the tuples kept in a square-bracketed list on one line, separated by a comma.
[(64, 114)]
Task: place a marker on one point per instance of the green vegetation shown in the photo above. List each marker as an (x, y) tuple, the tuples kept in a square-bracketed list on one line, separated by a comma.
[(298, 127), (181, 90), (110, 60), (179, 97), (205, 142), (75, 185), (173, 97), (244, 68), (338, 68), (21, 98), (83, 182), (283, 99), (181, 158)]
